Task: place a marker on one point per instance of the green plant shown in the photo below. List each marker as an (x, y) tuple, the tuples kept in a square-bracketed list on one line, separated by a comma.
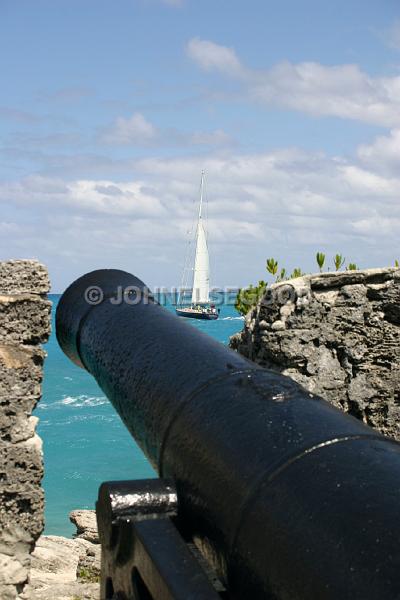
[(352, 267), (396, 263), (281, 276), (272, 266), (86, 575), (338, 261), (248, 297), (245, 299), (320, 256), (297, 272)]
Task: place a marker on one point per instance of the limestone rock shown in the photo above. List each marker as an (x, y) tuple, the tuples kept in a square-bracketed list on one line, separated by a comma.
[(86, 525), (21, 372), (66, 591), (23, 276), (62, 568), (24, 324), (24, 319), (12, 571), (338, 335)]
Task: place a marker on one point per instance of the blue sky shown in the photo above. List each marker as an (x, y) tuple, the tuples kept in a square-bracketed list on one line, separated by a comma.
[(110, 110)]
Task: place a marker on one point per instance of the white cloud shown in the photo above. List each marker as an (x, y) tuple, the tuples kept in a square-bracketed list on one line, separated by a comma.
[(137, 130), (389, 226), (383, 154), (100, 197), (133, 130), (286, 204), (209, 55), (342, 91), (368, 183)]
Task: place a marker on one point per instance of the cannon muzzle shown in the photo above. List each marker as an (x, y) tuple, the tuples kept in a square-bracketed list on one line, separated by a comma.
[(287, 497)]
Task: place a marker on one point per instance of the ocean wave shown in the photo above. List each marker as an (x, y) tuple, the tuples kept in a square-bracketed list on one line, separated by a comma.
[(83, 400), (80, 417), (232, 319), (67, 400)]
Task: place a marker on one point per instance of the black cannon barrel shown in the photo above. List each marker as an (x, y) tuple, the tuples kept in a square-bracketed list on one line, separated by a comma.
[(287, 496)]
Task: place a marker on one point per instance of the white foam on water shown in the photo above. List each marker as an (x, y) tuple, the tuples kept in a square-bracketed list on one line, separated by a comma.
[(68, 400), (232, 319), (78, 418), (83, 400)]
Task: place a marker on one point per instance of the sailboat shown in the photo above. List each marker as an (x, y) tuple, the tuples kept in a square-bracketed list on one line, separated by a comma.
[(200, 307)]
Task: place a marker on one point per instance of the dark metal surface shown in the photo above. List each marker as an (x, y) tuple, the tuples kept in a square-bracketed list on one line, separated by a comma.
[(288, 497), (143, 556)]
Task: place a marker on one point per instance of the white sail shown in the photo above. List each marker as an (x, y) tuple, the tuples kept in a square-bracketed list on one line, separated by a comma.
[(200, 306), (201, 277)]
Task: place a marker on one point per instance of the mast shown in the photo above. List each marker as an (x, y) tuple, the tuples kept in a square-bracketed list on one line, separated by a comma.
[(201, 194), (201, 275)]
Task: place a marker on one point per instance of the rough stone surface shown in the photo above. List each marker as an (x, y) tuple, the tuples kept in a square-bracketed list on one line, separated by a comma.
[(57, 566), (86, 525), (20, 376), (65, 568), (23, 276), (24, 319), (24, 324), (337, 334)]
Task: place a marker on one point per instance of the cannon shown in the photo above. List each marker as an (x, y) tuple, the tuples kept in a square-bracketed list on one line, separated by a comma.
[(265, 492)]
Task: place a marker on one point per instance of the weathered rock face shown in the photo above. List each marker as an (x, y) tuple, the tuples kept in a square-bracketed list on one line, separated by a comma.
[(86, 525), (64, 569), (337, 334), (24, 325)]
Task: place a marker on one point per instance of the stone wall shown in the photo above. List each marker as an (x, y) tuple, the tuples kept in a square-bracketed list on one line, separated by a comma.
[(337, 334), (24, 325)]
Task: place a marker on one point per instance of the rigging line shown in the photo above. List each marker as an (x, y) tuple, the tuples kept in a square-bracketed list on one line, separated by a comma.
[(187, 261), (205, 195)]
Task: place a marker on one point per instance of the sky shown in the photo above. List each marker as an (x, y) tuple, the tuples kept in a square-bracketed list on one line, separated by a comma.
[(110, 110)]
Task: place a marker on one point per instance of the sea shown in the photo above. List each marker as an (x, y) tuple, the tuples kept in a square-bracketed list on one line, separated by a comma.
[(84, 440)]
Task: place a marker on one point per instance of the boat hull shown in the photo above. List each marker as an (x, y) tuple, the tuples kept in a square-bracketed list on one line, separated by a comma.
[(195, 314)]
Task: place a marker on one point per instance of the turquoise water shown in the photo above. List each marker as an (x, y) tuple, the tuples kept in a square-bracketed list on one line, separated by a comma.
[(84, 440)]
